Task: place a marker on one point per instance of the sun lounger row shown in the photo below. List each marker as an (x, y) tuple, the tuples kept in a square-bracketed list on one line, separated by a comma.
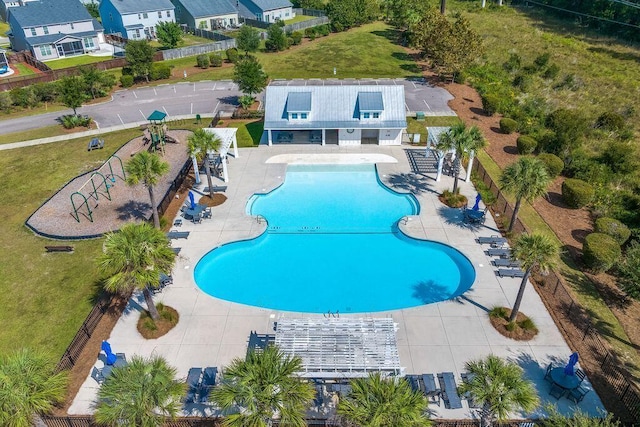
[(199, 384), (493, 240)]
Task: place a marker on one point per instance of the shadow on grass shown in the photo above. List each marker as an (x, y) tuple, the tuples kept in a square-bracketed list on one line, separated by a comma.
[(390, 34), (255, 130), (626, 56)]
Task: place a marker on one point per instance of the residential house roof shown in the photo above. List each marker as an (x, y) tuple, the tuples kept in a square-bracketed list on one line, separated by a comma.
[(53, 38), (335, 106), (126, 7), (299, 102), (266, 5), (203, 8), (50, 12)]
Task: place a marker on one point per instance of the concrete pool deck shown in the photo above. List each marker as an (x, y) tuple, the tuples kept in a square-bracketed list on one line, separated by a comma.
[(433, 338)]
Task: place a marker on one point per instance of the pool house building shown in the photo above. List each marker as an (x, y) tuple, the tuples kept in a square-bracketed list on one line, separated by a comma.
[(332, 113)]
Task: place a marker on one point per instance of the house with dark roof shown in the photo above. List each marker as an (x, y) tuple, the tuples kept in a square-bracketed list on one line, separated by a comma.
[(53, 29), (265, 10), (345, 115), (135, 19), (206, 14)]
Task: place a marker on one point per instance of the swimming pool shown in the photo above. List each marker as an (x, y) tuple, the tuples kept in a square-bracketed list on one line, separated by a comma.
[(332, 244)]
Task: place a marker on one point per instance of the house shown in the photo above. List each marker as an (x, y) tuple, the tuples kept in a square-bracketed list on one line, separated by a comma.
[(135, 19), (206, 14), (265, 10), (53, 29), (334, 114)]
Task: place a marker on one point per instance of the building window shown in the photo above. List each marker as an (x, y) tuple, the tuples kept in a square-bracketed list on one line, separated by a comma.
[(33, 31), (168, 14), (294, 116), (303, 116), (145, 15), (376, 115), (111, 16), (139, 16), (72, 25), (366, 115), (137, 34), (45, 29), (88, 43), (45, 50), (286, 14), (159, 14)]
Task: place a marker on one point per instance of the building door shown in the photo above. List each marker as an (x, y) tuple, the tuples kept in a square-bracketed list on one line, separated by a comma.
[(60, 50)]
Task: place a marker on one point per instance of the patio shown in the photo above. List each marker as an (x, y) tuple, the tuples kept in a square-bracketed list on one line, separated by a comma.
[(431, 339)]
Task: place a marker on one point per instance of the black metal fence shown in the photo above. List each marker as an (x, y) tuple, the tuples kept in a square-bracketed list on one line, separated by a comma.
[(605, 368)]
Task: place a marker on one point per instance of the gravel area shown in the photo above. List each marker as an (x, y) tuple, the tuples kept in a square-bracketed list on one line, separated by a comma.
[(55, 217)]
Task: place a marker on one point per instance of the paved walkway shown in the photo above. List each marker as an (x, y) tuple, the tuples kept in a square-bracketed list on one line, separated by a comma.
[(432, 338)]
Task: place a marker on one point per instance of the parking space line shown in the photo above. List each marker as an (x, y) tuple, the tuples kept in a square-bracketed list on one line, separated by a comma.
[(174, 89), (165, 110), (406, 106), (191, 108), (194, 87), (154, 91), (134, 94), (414, 85), (214, 86), (121, 121), (214, 110), (425, 103), (142, 114)]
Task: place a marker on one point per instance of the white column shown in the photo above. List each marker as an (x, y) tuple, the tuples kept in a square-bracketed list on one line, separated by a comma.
[(324, 134), (269, 137), (470, 166), (440, 162), (196, 172), (234, 141), (225, 174)]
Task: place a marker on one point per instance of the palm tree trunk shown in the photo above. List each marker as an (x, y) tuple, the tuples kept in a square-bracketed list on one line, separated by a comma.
[(154, 208), (486, 416), (516, 305), (515, 215), (443, 6), (151, 307), (456, 172), (207, 169)]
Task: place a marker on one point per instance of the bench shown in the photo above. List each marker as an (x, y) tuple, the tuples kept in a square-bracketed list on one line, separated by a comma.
[(62, 248), (178, 234)]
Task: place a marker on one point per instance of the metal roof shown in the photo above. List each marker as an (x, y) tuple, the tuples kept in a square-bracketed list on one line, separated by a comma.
[(335, 107), (203, 8), (266, 5), (370, 101), (340, 347), (50, 12), (137, 6), (299, 101)]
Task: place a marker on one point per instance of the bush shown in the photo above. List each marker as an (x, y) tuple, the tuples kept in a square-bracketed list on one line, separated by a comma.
[(24, 97), (127, 71), (614, 228), (232, 55), (553, 163), (126, 80), (159, 72), (551, 72), (323, 30), (296, 37), (526, 144), (542, 60), (71, 121), (453, 200), (630, 271), (523, 82), (610, 121), (490, 104), (337, 27), (508, 125), (202, 61), (577, 193), (5, 102), (600, 252), (513, 63), (215, 59), (310, 33), (45, 92)]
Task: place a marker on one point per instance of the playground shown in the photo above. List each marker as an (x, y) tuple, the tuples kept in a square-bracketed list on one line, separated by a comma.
[(100, 200)]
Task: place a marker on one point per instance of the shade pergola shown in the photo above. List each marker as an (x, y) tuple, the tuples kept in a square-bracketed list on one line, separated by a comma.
[(228, 139), (336, 348), (157, 117), (433, 138)]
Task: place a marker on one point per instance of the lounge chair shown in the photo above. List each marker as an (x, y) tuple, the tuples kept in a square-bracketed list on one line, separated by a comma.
[(510, 272), (467, 377), (208, 381), (177, 222), (449, 391), (414, 382), (178, 234), (193, 382), (96, 374), (501, 252), (430, 390), (506, 262), (493, 240)]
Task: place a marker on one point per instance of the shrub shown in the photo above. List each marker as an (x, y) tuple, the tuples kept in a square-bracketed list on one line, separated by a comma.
[(577, 193), (513, 63), (614, 228), (24, 97), (127, 71), (5, 102), (488, 198), (610, 121), (337, 27), (508, 125), (600, 252), (323, 30), (551, 72), (553, 163), (159, 72), (542, 60), (630, 271), (71, 121), (45, 92), (232, 55), (296, 37), (215, 59), (202, 61), (126, 80), (490, 104), (453, 200), (310, 33), (526, 144), (522, 81)]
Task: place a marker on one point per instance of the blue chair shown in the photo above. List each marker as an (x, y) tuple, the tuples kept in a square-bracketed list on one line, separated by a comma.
[(547, 374), (556, 391), (193, 382), (208, 381), (577, 394)]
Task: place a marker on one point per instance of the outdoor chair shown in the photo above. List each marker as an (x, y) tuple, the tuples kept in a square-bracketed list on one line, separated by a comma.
[(193, 380), (493, 240), (577, 394), (556, 391), (96, 374), (580, 374), (449, 391), (547, 374), (177, 222), (197, 219), (466, 377), (505, 262), (208, 381), (510, 272), (501, 252), (413, 382), (206, 214), (430, 389)]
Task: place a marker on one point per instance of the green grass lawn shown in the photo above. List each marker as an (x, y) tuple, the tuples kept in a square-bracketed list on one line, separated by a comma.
[(75, 61), (27, 135), (23, 70), (298, 18), (187, 40)]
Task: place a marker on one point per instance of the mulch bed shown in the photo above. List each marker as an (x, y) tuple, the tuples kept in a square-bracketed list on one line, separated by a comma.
[(517, 333), (162, 325)]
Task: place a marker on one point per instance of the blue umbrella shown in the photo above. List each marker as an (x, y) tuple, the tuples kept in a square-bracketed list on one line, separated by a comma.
[(193, 203), (111, 358), (476, 207), (569, 369)]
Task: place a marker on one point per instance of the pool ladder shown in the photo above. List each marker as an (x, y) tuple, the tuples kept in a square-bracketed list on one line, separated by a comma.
[(329, 314)]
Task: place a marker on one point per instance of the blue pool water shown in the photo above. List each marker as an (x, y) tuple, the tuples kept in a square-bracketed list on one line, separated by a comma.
[(332, 244)]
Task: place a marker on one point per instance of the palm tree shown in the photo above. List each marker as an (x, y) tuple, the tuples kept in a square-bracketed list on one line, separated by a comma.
[(140, 394), (134, 257), (498, 386), (262, 387), (463, 141), (28, 387), (526, 179), (379, 402), (532, 250), (147, 168), (203, 142)]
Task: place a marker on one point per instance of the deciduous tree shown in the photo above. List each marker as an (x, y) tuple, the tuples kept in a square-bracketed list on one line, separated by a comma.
[(169, 34), (249, 75), (139, 55), (276, 39), (248, 39), (72, 92)]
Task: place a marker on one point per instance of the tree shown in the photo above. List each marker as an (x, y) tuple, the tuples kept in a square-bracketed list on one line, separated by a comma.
[(72, 92), (142, 393), (147, 168), (403, 13), (134, 258), (379, 402), (532, 250), (526, 179), (630, 270), (139, 55), (28, 387), (276, 39), (262, 387), (93, 10), (345, 14), (249, 75), (98, 83), (169, 34), (499, 387), (200, 143), (464, 141), (248, 39)]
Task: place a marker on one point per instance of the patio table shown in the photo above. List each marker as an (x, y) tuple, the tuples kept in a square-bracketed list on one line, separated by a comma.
[(567, 382), (197, 209)]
